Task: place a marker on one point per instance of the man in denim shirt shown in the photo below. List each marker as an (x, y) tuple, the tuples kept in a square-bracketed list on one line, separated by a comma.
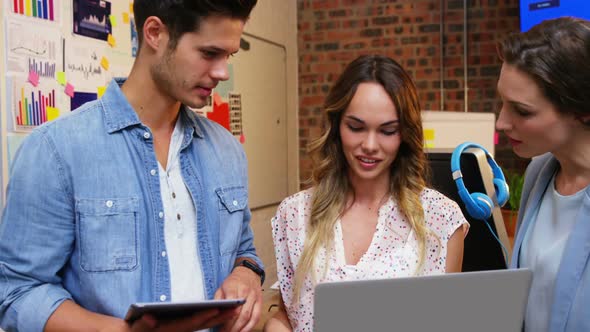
[(134, 198)]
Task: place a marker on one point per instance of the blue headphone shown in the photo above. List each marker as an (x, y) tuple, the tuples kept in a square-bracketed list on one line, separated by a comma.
[(478, 205)]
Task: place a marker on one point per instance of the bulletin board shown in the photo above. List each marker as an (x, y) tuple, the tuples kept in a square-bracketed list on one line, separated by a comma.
[(59, 54)]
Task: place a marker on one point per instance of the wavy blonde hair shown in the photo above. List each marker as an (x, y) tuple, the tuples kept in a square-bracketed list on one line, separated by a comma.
[(329, 175)]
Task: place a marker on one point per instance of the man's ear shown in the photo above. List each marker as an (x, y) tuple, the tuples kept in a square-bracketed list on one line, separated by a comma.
[(155, 34)]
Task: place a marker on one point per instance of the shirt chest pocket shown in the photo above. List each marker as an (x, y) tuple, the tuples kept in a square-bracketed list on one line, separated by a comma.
[(232, 203), (107, 232)]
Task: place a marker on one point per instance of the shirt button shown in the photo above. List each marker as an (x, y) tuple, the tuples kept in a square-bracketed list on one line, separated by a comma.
[(161, 214), (173, 195), (162, 298), (163, 255), (153, 172), (146, 135), (109, 203), (178, 216), (235, 203)]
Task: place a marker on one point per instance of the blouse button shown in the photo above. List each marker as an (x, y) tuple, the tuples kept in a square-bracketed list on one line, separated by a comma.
[(162, 298), (109, 203), (146, 135)]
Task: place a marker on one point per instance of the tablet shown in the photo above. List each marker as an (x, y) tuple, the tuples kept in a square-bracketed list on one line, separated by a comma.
[(171, 310)]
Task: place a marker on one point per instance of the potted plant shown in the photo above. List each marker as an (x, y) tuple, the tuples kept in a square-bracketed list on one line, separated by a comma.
[(515, 182)]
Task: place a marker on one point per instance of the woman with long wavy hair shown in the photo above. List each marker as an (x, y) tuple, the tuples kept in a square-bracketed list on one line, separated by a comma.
[(369, 214)]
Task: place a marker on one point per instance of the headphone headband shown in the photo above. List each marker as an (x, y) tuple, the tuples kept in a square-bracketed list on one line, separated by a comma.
[(479, 205)]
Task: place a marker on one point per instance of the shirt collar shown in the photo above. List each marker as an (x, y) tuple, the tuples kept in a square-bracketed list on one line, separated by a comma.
[(119, 114)]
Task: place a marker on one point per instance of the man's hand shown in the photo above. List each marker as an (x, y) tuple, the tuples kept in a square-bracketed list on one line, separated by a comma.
[(242, 283)]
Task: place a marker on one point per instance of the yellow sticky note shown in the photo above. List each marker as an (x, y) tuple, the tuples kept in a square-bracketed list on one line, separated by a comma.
[(126, 18), (131, 7), (101, 90), (104, 62), (52, 113), (113, 20), (429, 145), (111, 40), (429, 134), (61, 77)]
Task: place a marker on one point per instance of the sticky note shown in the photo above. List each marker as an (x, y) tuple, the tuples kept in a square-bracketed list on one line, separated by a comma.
[(242, 138), (61, 77), (104, 62), (429, 134), (70, 90), (52, 113), (34, 78), (496, 138), (126, 18), (429, 145), (101, 90), (113, 20), (131, 8), (217, 99), (111, 40)]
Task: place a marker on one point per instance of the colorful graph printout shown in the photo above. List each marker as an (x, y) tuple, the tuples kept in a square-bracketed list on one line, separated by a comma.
[(43, 9), (33, 106)]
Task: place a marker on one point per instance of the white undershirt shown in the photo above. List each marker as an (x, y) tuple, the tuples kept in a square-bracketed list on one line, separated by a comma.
[(180, 229)]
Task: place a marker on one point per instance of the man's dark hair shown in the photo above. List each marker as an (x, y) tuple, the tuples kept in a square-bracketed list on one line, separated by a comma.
[(181, 16)]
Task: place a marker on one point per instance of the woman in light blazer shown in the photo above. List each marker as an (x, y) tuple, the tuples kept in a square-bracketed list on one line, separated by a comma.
[(545, 88)]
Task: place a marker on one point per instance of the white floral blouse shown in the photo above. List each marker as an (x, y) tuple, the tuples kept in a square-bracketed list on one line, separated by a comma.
[(392, 253)]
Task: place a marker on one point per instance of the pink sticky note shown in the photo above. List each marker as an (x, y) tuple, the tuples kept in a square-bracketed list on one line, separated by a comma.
[(70, 90), (34, 78), (242, 138), (496, 138)]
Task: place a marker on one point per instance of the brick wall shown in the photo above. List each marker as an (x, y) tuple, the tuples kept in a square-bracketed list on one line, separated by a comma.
[(334, 32)]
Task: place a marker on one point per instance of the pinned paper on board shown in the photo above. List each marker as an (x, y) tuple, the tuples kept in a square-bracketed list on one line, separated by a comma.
[(91, 19), (429, 134), (126, 18)]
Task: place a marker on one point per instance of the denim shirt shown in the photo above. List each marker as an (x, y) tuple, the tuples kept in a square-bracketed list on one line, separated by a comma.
[(84, 215)]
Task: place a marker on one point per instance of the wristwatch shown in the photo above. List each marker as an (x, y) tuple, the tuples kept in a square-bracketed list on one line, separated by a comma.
[(247, 264)]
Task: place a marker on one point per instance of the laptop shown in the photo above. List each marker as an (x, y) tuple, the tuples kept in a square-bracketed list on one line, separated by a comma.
[(479, 301)]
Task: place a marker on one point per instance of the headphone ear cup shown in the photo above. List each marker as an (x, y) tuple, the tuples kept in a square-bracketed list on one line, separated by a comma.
[(502, 191), (482, 209)]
